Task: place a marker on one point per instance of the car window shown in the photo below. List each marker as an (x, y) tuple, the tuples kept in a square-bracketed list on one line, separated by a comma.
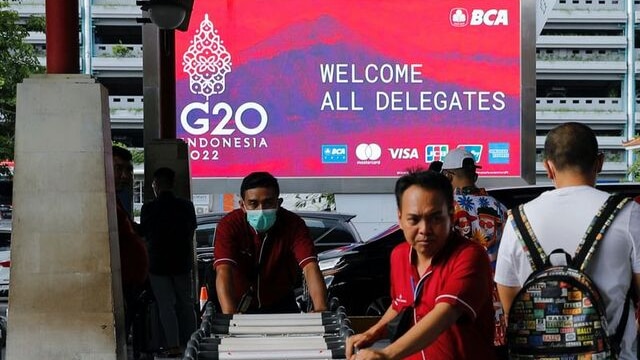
[(325, 231), (205, 234), (5, 241)]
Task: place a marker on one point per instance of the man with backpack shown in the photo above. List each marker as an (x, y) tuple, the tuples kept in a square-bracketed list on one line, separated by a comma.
[(559, 219)]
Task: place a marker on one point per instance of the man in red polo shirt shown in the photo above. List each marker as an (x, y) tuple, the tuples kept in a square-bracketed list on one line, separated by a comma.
[(444, 276), (259, 251)]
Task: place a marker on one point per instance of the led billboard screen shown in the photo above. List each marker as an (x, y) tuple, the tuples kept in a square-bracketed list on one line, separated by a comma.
[(352, 90)]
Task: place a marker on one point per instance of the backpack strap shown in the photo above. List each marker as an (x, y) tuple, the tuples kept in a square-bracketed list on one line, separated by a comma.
[(596, 230), (588, 246), (535, 253)]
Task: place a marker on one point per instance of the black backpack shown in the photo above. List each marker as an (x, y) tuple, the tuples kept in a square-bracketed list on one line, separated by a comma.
[(559, 312)]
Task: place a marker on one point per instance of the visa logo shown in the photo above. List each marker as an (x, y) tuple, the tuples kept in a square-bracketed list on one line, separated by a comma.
[(403, 153)]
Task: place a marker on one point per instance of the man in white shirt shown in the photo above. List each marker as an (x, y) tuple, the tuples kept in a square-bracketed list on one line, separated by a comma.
[(559, 218)]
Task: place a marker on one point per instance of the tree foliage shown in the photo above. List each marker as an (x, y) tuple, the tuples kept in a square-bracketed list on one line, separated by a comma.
[(17, 61), (634, 170), (137, 155)]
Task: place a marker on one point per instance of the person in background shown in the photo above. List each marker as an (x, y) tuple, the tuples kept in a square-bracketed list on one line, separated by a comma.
[(124, 179), (259, 251), (168, 224), (488, 214), (453, 316), (134, 263), (478, 217), (560, 218)]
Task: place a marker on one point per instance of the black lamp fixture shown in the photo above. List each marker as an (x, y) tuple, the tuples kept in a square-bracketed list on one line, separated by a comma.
[(168, 14)]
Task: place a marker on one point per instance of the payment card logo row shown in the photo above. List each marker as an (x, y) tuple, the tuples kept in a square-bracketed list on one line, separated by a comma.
[(372, 153)]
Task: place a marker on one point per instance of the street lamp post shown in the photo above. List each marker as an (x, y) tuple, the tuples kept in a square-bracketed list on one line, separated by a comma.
[(167, 15), (62, 36)]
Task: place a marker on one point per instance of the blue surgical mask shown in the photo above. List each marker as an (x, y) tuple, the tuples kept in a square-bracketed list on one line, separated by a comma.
[(261, 220)]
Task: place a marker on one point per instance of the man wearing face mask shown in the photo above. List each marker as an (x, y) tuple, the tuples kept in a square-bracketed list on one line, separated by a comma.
[(259, 251)]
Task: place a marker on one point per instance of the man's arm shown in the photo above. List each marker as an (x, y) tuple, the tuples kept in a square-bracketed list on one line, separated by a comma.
[(317, 287), (421, 335), (507, 294), (376, 332), (224, 288)]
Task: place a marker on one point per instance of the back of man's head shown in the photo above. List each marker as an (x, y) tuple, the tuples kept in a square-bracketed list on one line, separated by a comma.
[(259, 179), (164, 178), (572, 146), (461, 163), (121, 152)]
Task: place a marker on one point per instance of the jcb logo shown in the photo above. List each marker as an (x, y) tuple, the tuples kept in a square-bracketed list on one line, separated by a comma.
[(459, 17)]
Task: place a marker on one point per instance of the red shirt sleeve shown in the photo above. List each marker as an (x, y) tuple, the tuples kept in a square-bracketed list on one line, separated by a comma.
[(469, 283), (225, 243)]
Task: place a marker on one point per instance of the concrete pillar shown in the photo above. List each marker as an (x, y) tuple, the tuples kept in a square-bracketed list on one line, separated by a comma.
[(65, 300)]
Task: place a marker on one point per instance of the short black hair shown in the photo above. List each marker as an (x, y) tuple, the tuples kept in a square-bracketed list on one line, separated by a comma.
[(165, 176), (121, 152), (259, 179), (572, 145), (429, 180), (435, 166)]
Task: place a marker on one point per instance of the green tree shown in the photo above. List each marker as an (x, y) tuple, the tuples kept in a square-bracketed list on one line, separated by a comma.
[(634, 170), (17, 61)]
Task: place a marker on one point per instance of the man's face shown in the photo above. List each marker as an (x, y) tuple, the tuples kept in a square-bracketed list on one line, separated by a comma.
[(425, 220), (260, 199), (123, 173)]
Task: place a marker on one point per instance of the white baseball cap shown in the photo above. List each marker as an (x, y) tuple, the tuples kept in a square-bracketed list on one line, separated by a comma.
[(457, 159)]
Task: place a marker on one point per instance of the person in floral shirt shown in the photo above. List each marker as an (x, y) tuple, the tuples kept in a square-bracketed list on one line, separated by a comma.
[(477, 216)]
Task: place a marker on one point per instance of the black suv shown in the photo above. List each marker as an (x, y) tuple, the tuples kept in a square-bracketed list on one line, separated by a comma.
[(328, 230), (358, 274)]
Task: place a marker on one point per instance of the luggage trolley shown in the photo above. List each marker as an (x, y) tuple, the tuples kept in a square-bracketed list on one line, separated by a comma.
[(295, 336)]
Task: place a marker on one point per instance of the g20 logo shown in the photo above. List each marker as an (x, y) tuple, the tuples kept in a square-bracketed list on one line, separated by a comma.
[(203, 125)]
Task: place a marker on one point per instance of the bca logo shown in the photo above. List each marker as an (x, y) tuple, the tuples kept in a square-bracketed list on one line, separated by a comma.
[(459, 17)]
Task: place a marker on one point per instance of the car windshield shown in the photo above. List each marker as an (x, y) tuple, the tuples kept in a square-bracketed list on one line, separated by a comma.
[(328, 231), (205, 234), (5, 240)]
